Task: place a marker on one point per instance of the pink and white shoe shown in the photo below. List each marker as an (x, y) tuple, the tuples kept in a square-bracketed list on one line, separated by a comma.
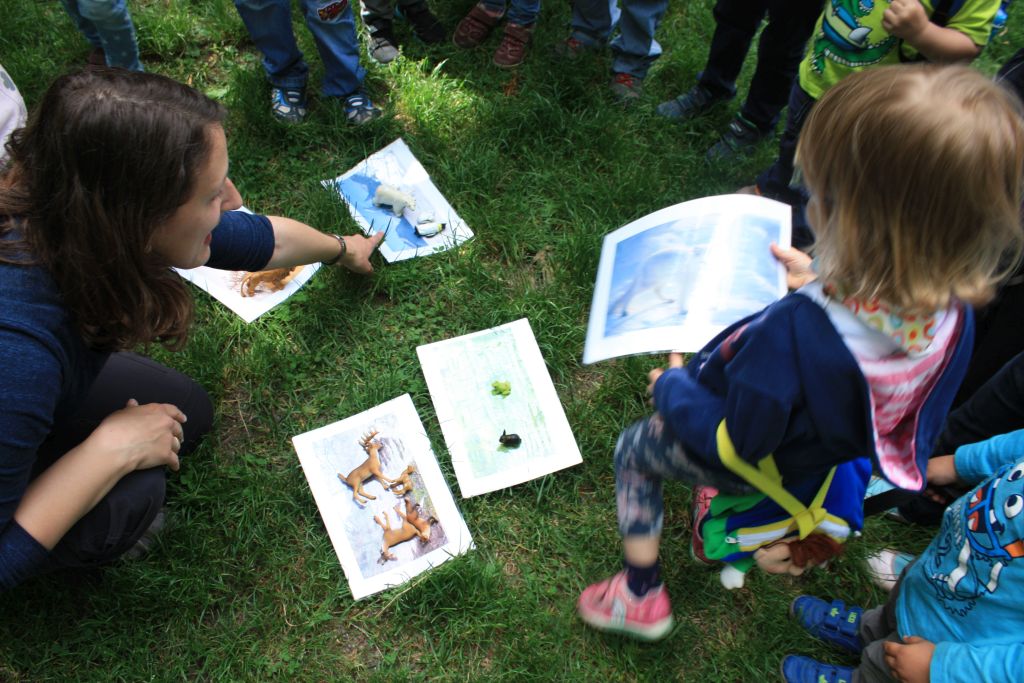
[(611, 606), (702, 496)]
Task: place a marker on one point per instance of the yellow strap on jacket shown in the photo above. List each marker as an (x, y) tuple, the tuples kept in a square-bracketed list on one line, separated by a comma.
[(766, 479)]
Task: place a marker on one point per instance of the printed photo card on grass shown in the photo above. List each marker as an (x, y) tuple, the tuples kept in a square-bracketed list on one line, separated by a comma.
[(387, 508), (499, 412), (390, 192), (249, 295)]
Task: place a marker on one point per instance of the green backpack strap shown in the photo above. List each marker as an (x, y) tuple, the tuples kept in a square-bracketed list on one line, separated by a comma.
[(765, 478)]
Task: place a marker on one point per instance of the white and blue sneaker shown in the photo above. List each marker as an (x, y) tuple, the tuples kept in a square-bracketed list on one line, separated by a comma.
[(288, 104)]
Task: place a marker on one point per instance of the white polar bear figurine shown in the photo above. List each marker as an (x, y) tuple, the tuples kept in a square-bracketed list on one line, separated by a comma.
[(387, 195)]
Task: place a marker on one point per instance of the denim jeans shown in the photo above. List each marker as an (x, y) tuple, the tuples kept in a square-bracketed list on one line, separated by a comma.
[(330, 21), (634, 48), (522, 12), (779, 51), (107, 24)]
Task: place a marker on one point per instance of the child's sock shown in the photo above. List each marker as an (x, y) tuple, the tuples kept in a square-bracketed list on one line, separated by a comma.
[(642, 579)]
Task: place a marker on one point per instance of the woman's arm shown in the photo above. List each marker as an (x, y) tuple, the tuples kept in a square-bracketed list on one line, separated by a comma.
[(137, 437), (296, 244)]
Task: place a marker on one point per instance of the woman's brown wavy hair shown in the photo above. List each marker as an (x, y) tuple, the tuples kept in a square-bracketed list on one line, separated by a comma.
[(106, 157)]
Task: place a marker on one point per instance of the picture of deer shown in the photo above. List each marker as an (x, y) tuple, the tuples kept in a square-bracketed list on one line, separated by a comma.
[(370, 469), (271, 280), (412, 527)]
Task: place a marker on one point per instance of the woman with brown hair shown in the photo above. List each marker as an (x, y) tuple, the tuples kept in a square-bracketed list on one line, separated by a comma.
[(117, 177)]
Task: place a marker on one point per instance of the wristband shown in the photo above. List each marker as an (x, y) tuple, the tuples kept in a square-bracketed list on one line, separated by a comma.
[(344, 250)]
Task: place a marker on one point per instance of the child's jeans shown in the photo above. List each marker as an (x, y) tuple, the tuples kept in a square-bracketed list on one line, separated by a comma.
[(522, 12), (634, 48), (330, 21), (647, 452), (107, 24)]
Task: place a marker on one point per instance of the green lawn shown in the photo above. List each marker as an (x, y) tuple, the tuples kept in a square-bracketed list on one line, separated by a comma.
[(245, 584)]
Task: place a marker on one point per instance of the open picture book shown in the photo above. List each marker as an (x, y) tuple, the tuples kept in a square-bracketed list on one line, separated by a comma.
[(672, 280)]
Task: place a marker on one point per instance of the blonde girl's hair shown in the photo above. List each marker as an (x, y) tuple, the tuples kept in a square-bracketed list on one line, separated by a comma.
[(915, 174)]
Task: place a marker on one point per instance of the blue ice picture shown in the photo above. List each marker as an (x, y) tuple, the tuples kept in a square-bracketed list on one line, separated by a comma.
[(755, 273), (359, 189), (657, 272), (654, 275)]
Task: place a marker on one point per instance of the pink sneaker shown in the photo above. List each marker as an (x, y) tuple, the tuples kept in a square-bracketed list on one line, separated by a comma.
[(702, 496), (611, 606)]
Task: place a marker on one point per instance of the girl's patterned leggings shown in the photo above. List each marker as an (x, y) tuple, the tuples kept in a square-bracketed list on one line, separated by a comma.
[(646, 453)]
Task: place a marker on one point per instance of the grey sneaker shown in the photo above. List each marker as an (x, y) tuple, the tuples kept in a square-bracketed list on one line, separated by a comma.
[(359, 109), (148, 538), (288, 104), (382, 50), (626, 88), (739, 139), (694, 102), (383, 47)]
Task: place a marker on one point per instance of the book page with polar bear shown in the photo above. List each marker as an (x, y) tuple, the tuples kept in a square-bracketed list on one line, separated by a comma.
[(390, 192), (675, 278)]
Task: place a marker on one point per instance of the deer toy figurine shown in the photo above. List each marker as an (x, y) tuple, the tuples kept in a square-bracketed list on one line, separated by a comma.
[(413, 526), (403, 484), (370, 469)]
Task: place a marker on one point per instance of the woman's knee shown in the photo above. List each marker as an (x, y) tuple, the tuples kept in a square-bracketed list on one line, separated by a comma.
[(114, 525)]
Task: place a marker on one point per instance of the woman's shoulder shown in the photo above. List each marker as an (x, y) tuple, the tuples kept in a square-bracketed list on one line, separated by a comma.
[(31, 308)]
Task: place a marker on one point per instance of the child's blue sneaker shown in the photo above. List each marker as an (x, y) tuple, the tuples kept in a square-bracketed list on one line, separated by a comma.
[(800, 669), (359, 109), (832, 622), (288, 104)]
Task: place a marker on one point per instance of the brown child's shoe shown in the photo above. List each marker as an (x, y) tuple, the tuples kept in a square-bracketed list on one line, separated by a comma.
[(512, 50), (474, 28)]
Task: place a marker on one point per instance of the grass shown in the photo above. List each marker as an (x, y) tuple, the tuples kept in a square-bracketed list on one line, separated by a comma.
[(244, 585)]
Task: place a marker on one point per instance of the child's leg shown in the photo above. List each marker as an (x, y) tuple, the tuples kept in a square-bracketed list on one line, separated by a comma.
[(635, 48), (269, 23), (376, 12), (647, 453), (736, 22), (334, 31), (779, 51), (633, 601), (110, 23), (774, 183), (592, 20), (84, 26), (523, 12), (877, 626)]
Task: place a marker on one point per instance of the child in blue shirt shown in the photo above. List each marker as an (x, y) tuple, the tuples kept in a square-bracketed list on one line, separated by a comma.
[(955, 614)]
